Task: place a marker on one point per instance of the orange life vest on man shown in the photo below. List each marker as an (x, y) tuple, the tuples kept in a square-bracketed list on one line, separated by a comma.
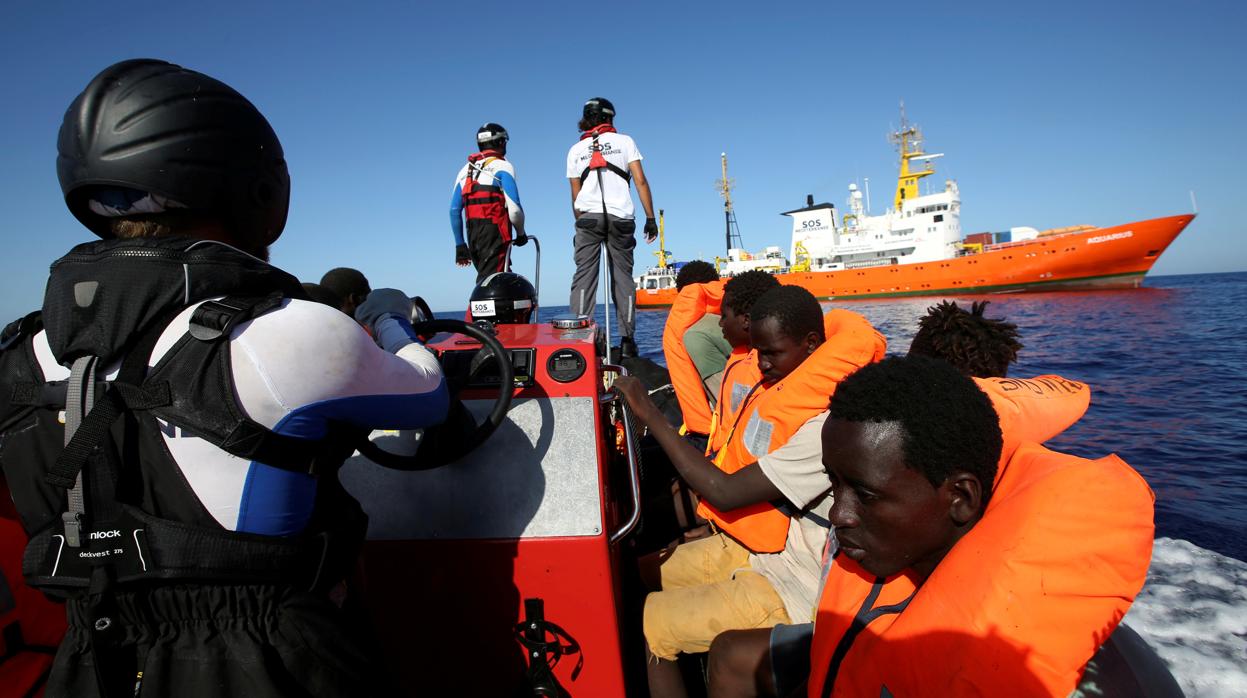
[(1034, 409), (741, 382), (1017, 607), (693, 303), (769, 418)]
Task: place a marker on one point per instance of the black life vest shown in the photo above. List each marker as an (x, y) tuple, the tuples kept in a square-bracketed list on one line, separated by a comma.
[(485, 205), (597, 161), (139, 520)]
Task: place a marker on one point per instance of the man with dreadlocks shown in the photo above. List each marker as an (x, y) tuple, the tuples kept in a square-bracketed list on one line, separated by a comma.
[(973, 343)]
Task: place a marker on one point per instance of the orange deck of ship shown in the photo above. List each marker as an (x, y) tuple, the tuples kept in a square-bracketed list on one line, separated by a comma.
[(1103, 258)]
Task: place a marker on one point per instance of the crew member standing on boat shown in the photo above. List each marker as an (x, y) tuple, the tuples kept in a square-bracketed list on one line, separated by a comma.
[(600, 166), (173, 421), (486, 196)]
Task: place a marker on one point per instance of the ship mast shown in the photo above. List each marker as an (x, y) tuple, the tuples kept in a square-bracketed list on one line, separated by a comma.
[(908, 141), (731, 229)]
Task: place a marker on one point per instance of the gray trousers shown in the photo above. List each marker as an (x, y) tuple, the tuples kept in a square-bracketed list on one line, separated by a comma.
[(620, 244)]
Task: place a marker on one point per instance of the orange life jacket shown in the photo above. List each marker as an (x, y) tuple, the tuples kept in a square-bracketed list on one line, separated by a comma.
[(1017, 607), (694, 301), (741, 381), (1034, 409), (772, 416)]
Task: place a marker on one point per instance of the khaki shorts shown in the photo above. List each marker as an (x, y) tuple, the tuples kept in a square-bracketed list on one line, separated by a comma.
[(707, 588)]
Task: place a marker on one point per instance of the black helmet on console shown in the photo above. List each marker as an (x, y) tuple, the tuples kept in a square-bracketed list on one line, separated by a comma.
[(492, 136), (597, 111), (150, 137), (503, 298)]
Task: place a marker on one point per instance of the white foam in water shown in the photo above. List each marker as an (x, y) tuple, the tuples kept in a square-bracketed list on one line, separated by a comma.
[(1193, 612)]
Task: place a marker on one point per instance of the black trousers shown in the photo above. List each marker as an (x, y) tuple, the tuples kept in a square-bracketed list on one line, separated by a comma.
[(488, 249), (201, 641)]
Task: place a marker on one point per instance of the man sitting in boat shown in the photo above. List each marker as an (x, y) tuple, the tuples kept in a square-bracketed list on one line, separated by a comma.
[(765, 490), (1018, 572), (773, 662), (700, 302), (703, 340)]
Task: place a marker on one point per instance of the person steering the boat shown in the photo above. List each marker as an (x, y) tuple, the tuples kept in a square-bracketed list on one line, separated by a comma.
[(486, 196), (600, 167), (765, 490), (172, 422)]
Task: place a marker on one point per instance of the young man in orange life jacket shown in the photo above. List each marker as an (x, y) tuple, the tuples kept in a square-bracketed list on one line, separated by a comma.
[(600, 167), (763, 662), (766, 490), (485, 194), (706, 333)]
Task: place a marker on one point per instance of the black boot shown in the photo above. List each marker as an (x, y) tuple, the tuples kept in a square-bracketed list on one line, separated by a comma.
[(627, 347)]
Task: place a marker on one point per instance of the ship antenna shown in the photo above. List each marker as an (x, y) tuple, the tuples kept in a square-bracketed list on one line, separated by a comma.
[(725, 186)]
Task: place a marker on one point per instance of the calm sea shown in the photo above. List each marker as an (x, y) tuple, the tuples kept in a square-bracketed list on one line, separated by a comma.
[(1167, 364)]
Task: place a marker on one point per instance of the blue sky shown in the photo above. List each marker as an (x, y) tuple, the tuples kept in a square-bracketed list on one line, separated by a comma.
[(1050, 114)]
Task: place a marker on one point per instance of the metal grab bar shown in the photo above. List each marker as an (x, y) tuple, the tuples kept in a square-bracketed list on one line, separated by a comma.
[(634, 467)]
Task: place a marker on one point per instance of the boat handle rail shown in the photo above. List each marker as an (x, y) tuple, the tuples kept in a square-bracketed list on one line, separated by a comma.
[(634, 467)]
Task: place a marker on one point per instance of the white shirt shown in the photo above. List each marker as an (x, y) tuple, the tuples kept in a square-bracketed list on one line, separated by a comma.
[(796, 469), (619, 150)]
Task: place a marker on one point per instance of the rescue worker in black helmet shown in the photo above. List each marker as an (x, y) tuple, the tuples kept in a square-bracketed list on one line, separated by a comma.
[(172, 421), (503, 299), (486, 196), (599, 167)]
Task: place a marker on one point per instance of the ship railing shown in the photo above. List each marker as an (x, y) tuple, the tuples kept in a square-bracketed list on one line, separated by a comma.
[(1018, 243)]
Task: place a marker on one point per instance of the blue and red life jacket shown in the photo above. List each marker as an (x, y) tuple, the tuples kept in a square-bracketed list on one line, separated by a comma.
[(485, 205)]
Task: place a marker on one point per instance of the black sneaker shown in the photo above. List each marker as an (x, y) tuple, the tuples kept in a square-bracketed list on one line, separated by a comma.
[(627, 348)]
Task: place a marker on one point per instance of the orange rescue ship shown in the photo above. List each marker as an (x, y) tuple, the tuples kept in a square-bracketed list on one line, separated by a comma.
[(916, 248)]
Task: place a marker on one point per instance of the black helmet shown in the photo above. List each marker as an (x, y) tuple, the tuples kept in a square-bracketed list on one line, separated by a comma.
[(599, 109), (491, 135), (503, 298), (150, 128)]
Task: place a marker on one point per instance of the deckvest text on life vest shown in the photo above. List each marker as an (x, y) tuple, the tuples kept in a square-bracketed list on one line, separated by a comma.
[(484, 205), (768, 420), (109, 302), (1022, 601), (690, 306)]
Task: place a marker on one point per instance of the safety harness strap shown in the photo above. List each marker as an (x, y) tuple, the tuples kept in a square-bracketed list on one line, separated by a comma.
[(627, 176), (78, 402), (91, 428)]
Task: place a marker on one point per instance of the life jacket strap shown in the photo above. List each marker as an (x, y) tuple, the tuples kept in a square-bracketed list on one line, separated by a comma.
[(599, 162)]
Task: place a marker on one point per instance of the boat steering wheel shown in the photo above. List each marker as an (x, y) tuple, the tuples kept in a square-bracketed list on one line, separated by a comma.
[(451, 447)]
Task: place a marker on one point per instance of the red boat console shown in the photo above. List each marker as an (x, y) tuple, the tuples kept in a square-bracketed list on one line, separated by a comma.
[(457, 555)]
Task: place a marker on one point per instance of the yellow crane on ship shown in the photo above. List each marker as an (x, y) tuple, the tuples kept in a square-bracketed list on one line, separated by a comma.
[(662, 254)]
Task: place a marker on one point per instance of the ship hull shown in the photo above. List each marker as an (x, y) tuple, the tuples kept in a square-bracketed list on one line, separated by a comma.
[(1105, 258)]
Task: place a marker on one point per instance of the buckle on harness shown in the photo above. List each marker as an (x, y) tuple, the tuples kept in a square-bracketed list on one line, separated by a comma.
[(73, 528)]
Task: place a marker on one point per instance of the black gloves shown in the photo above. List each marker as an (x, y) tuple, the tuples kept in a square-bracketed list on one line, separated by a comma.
[(520, 239), (462, 258), (651, 229)]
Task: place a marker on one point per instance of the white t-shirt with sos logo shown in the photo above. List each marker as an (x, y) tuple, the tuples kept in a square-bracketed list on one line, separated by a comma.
[(619, 150)]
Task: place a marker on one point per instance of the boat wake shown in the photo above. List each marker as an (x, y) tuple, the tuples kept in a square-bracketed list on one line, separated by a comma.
[(1193, 612)]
